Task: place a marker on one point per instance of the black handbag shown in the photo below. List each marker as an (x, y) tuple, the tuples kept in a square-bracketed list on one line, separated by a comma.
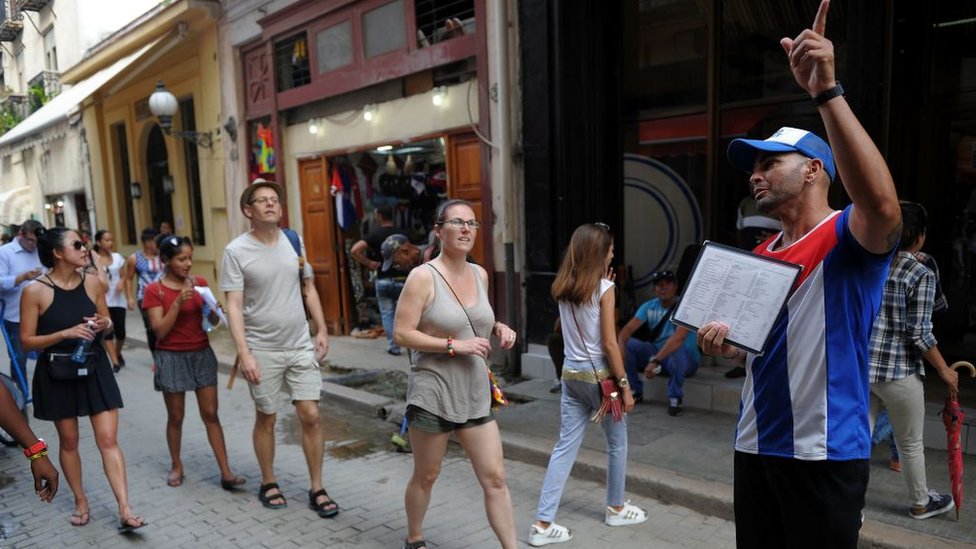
[(63, 368)]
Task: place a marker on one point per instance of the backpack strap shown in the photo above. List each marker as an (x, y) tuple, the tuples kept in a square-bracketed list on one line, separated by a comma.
[(296, 244), (293, 238)]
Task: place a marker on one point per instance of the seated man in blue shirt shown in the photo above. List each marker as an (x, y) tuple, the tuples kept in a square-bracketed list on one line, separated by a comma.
[(672, 351)]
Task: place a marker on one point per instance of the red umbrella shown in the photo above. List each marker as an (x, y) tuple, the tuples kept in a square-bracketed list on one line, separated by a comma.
[(953, 416)]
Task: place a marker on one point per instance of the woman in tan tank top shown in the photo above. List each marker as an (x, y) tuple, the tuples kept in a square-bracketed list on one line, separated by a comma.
[(443, 315)]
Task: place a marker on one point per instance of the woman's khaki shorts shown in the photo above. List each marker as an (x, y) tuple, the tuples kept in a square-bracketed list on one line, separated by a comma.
[(298, 370)]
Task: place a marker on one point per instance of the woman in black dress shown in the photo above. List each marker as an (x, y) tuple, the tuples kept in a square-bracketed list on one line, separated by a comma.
[(60, 310)]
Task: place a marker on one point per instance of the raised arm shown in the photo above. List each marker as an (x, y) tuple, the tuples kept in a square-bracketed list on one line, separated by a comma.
[(876, 218)]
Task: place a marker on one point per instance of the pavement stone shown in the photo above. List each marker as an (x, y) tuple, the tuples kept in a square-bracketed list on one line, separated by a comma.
[(367, 483), (685, 462)]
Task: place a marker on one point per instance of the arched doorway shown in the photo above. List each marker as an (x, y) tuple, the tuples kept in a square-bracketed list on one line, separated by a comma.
[(160, 184)]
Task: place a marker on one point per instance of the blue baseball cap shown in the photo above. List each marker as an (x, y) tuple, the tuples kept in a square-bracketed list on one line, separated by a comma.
[(742, 152)]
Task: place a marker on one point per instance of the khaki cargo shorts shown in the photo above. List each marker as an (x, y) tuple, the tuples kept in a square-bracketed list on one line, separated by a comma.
[(296, 369)]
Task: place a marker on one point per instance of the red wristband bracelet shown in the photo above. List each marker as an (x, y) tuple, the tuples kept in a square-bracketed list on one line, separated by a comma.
[(37, 448)]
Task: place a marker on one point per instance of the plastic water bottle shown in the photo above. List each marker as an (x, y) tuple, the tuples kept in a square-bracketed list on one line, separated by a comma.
[(81, 350)]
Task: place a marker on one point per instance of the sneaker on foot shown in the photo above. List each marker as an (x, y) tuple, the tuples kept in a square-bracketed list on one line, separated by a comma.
[(938, 504), (557, 386), (544, 536), (630, 514), (675, 407), (638, 398), (894, 465)]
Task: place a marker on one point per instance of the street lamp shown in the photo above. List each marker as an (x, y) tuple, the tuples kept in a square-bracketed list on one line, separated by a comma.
[(163, 105)]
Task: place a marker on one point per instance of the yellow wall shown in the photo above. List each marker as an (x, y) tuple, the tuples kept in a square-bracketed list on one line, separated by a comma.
[(189, 70)]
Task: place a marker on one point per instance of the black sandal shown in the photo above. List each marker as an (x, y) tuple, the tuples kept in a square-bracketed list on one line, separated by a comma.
[(266, 500), (326, 509), (415, 544)]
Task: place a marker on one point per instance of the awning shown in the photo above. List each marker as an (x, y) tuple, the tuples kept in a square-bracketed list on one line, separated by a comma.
[(60, 108), (15, 206)]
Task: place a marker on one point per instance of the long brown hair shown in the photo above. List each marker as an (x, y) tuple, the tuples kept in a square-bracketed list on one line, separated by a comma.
[(583, 265)]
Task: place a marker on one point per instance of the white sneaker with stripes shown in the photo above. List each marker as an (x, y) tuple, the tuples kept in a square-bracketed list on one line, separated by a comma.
[(553, 534), (630, 514)]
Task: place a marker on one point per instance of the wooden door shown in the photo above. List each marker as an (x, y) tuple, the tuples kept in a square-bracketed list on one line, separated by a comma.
[(321, 242), (464, 181)]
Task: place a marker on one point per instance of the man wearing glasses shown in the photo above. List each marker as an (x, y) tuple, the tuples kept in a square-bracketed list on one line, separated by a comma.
[(19, 264), (670, 349), (274, 350)]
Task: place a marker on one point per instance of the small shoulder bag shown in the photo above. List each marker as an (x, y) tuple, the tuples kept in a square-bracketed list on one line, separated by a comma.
[(498, 398), (609, 395)]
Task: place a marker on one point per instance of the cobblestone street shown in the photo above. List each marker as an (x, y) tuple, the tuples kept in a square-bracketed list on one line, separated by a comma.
[(361, 472)]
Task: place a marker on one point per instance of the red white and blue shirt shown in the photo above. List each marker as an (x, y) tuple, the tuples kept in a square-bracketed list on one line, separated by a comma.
[(807, 396)]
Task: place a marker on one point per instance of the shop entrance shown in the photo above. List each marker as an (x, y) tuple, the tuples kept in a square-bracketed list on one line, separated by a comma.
[(340, 194)]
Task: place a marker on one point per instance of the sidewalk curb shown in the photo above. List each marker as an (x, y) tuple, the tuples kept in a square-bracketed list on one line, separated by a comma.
[(704, 496), (356, 399)]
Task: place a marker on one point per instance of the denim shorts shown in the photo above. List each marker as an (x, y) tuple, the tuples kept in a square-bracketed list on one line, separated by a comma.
[(422, 420)]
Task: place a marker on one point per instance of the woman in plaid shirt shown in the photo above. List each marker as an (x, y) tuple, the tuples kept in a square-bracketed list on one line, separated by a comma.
[(901, 343)]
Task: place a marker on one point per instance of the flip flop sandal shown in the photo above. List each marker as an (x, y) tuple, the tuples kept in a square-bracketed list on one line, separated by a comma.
[(266, 500), (126, 526), (326, 509), (415, 544), (174, 480), (232, 484), (82, 517)]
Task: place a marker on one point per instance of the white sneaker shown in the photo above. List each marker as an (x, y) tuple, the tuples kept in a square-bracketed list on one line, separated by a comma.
[(554, 534), (630, 514)]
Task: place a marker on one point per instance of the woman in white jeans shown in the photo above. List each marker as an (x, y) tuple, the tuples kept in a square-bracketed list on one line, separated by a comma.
[(586, 309)]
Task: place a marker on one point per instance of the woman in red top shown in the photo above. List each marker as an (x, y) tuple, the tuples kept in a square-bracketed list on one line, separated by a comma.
[(184, 359)]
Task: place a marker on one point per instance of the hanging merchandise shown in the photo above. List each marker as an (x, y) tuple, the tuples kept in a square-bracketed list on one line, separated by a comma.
[(350, 187), (344, 220), (367, 165), (300, 52), (265, 149), (408, 165), (391, 165)]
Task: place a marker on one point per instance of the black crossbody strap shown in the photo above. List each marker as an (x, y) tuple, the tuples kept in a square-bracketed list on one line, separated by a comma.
[(660, 323)]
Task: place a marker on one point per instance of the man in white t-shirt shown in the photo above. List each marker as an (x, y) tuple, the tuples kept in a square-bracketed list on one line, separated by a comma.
[(260, 273)]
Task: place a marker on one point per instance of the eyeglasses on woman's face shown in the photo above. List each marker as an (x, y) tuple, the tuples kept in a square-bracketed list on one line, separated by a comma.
[(78, 245), (458, 223)]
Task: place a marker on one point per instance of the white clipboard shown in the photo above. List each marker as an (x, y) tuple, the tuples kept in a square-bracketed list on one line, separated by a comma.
[(744, 290)]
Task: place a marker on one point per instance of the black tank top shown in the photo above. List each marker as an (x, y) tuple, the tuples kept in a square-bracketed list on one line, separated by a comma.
[(68, 309)]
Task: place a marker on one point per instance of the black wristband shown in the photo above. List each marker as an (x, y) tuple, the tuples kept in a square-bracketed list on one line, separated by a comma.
[(827, 95)]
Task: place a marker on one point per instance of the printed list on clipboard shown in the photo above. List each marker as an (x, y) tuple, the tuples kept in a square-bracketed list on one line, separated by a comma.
[(744, 290)]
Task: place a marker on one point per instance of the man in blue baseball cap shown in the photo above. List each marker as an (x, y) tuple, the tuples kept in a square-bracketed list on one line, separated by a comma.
[(803, 439)]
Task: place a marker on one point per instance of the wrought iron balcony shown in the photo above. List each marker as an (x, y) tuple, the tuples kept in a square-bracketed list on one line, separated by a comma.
[(32, 5), (11, 22), (49, 81)]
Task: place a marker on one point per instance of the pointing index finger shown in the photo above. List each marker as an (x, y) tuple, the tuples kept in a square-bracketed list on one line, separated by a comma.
[(820, 21)]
